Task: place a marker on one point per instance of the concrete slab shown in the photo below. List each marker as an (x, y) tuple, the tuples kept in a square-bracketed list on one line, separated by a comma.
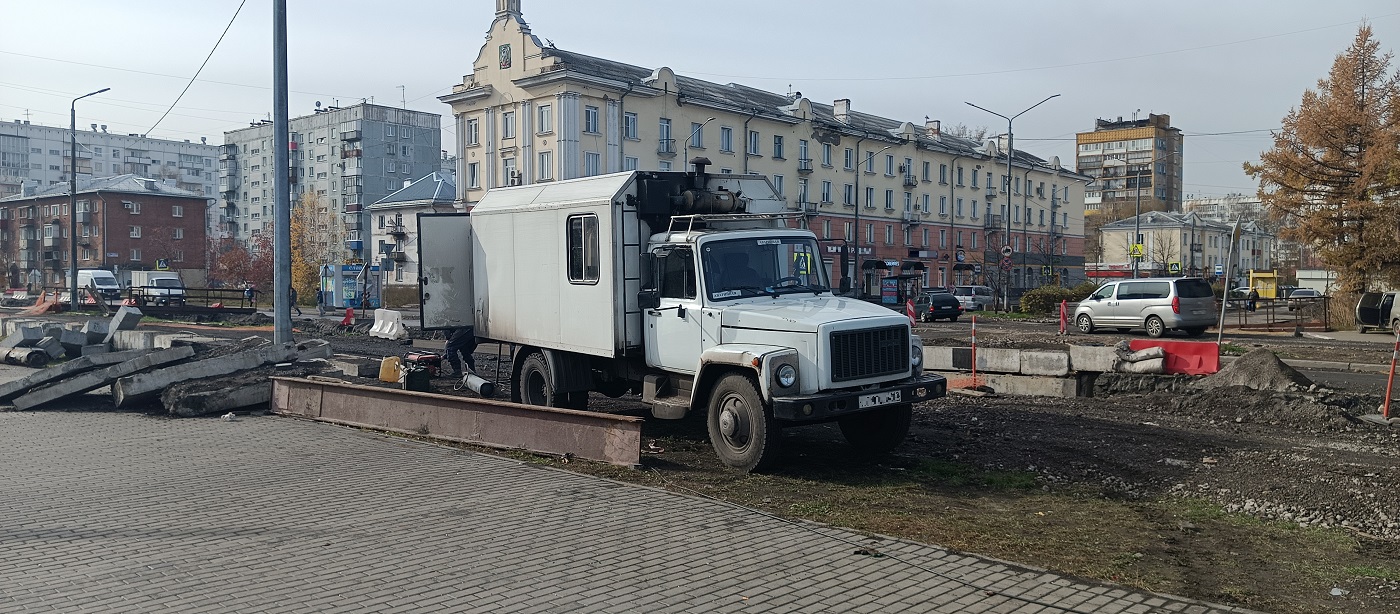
[(33, 358), (243, 390), (133, 339), (125, 318), (96, 331), (73, 342), (1044, 362), (313, 348), (1026, 385), (355, 366), (52, 346), (132, 389), (101, 348), (1094, 359), (10, 390), (997, 360), (103, 377), (23, 337)]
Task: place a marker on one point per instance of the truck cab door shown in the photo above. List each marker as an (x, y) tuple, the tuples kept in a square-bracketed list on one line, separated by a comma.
[(445, 270), (673, 326)]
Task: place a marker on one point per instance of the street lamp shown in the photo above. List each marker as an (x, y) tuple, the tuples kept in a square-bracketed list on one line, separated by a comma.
[(685, 162), (73, 197), (870, 160), (1137, 205), (1010, 147)]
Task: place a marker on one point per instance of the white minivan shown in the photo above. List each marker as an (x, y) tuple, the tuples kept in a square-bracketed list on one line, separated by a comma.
[(103, 280)]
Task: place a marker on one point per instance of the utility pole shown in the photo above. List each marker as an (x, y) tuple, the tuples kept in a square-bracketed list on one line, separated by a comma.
[(282, 208)]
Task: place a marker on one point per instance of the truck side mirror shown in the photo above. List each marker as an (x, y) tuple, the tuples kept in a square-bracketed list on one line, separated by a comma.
[(649, 299)]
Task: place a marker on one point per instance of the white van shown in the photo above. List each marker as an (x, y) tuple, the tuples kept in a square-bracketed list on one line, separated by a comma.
[(975, 298), (103, 280)]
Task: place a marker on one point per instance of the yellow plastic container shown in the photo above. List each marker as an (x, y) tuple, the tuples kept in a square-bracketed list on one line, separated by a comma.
[(389, 369)]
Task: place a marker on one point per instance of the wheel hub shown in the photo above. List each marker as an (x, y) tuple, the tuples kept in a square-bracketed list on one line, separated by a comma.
[(728, 422)]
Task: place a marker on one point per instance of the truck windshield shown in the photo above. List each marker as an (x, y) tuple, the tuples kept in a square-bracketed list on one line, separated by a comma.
[(737, 268), (167, 282)]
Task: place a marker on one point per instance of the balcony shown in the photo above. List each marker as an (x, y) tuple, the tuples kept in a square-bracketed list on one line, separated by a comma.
[(994, 221), (351, 153), (354, 207), (807, 207), (84, 217), (354, 245), (398, 255), (397, 230), (350, 135), (910, 180), (354, 172), (27, 256), (353, 224), (991, 192), (51, 242), (666, 147), (912, 218), (804, 165), (28, 243)]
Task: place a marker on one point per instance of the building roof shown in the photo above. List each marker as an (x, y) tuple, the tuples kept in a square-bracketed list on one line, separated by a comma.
[(1164, 219), (127, 184), (775, 106), (435, 188)]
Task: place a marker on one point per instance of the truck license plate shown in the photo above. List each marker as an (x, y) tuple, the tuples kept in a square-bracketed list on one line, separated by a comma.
[(883, 398)]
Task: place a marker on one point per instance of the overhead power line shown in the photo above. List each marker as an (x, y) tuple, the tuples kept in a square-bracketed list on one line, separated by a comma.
[(201, 66)]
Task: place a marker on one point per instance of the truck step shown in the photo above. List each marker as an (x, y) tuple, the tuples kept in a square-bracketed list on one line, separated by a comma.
[(671, 408)]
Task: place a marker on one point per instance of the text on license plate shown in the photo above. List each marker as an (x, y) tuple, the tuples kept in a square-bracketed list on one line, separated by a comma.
[(1198, 312), (882, 398)]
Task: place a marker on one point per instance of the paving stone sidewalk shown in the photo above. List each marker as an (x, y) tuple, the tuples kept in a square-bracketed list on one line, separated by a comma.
[(113, 512)]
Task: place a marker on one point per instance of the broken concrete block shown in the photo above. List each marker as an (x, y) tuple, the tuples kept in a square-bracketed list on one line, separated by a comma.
[(1094, 359), (26, 357), (73, 342), (132, 389), (10, 390), (200, 344), (313, 348), (23, 337), (133, 339), (233, 391), (125, 318), (100, 348), (51, 345), (355, 366), (102, 377), (96, 331)]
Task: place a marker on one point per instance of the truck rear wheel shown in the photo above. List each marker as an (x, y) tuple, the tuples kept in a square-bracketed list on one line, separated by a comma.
[(742, 430), (879, 430), (534, 385)]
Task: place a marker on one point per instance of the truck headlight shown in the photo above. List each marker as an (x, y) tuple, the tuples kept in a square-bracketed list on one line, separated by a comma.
[(787, 376), (916, 354)]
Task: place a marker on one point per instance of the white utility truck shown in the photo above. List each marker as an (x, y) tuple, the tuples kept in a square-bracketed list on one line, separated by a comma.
[(158, 287), (686, 288)]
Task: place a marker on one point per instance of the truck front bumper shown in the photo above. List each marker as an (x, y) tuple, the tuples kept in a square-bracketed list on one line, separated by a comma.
[(830, 405)]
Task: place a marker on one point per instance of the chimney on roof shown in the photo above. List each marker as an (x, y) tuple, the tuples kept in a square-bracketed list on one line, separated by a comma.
[(29, 187), (104, 128), (94, 127), (842, 110), (933, 127), (507, 8), (150, 184)]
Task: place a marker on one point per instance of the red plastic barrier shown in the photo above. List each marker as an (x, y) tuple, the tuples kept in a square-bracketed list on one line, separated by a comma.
[(1189, 357), (349, 319)]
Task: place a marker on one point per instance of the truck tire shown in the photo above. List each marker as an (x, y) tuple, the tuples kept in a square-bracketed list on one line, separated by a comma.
[(534, 383), (742, 429), (877, 431)]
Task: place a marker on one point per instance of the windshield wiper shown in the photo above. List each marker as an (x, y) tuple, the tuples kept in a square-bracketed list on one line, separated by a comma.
[(815, 290)]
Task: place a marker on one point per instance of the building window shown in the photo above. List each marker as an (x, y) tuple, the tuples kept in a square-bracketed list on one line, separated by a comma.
[(629, 163), (753, 142), (960, 176), (826, 154), (826, 191), (974, 209), (584, 249), (778, 147), (889, 234), (925, 242), (134, 232), (629, 126), (508, 171), (546, 166), (473, 174), (850, 159), (826, 229), (388, 132), (889, 165), (135, 254), (926, 202), (869, 162), (908, 201), (666, 166), (959, 211), (546, 119), (697, 136), (869, 197), (726, 139), (870, 233), (778, 184), (592, 163), (590, 120), (178, 233), (802, 191), (848, 194), (943, 174), (507, 125), (889, 200), (802, 148), (663, 127), (927, 166)]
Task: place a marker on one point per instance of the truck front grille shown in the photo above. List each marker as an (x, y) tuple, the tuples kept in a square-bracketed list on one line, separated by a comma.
[(859, 354)]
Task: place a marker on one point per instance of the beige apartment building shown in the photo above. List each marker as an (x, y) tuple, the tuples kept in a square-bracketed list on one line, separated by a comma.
[(912, 199), (1182, 244), (1136, 164)]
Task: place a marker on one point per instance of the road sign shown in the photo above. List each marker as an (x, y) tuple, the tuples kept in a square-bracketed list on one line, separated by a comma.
[(1006, 250), (1045, 270), (1219, 269), (977, 269), (1174, 268), (162, 264), (1136, 251), (961, 256)]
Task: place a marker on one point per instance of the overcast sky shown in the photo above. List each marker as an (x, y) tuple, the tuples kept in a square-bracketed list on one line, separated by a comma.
[(1213, 66)]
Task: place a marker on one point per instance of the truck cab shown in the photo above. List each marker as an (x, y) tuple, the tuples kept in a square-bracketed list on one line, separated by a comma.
[(693, 291)]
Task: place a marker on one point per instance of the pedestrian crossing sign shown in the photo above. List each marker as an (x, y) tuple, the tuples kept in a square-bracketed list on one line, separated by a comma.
[(1174, 268), (1135, 251)]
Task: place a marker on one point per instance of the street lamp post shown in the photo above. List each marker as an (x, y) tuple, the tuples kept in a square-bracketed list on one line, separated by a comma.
[(686, 161), (73, 197), (1010, 147), (1137, 207), (856, 222)]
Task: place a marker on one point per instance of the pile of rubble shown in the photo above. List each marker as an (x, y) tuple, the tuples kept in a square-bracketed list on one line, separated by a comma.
[(146, 368)]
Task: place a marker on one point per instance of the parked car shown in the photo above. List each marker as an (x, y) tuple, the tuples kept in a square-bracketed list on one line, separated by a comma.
[(1376, 310), (1156, 305), (1302, 297), (937, 304), (975, 298)]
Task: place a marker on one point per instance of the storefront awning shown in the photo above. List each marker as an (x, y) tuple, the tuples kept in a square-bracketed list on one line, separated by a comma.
[(875, 264), (912, 265)]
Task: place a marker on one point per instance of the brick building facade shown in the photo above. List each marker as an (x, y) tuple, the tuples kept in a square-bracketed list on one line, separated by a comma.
[(125, 222)]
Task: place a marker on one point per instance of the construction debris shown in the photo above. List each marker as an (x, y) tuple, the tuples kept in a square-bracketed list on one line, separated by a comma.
[(105, 377), (1260, 370), (241, 390), (10, 390)]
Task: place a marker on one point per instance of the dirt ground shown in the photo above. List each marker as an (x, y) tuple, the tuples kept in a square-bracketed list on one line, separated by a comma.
[(1279, 500)]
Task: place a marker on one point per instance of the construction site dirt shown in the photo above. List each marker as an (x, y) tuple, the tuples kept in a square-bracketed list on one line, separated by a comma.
[(1278, 500)]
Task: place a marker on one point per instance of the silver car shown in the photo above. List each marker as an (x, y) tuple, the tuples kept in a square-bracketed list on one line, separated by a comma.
[(1156, 305), (975, 298)]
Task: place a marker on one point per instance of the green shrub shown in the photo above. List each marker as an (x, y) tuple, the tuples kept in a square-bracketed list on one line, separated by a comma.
[(1045, 299)]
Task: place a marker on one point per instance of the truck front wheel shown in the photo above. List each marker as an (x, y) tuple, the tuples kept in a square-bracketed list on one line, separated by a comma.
[(742, 430), (877, 431)]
